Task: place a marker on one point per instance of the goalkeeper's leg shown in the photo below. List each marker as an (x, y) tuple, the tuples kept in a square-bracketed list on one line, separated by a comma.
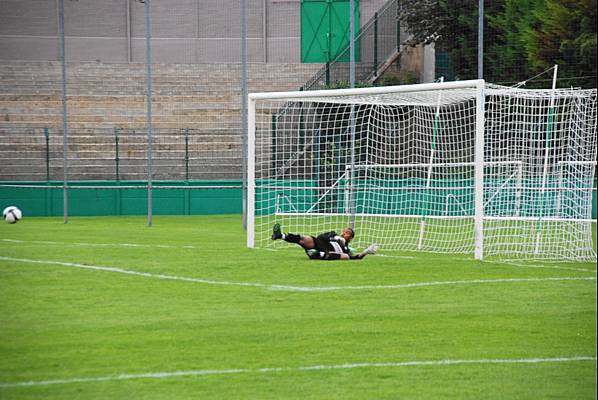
[(307, 242)]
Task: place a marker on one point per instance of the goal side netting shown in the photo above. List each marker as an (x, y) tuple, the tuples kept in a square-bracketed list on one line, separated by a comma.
[(456, 167)]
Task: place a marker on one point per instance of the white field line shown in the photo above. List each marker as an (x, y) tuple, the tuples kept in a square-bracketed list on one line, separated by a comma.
[(522, 265), (47, 242), (130, 272), (206, 372), (292, 288), (399, 257)]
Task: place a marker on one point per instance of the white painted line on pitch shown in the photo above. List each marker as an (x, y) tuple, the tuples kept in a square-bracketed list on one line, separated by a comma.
[(424, 284), (47, 242), (400, 257), (206, 372), (130, 272), (288, 287), (514, 264)]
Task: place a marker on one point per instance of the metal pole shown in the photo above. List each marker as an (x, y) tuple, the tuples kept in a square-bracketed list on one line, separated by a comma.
[(398, 27), (116, 154), (265, 28), (148, 47), (481, 39), (352, 115), (352, 43), (542, 205), (375, 44), (479, 174), (65, 195), (244, 105), (352, 176), (128, 29), (187, 154), (47, 135)]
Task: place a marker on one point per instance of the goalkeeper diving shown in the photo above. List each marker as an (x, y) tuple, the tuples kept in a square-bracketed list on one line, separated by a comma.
[(327, 246)]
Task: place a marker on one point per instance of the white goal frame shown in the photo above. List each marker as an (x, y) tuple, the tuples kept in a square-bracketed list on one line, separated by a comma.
[(450, 167), (478, 85)]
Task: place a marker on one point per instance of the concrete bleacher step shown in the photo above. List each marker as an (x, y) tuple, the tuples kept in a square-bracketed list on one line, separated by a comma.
[(104, 100)]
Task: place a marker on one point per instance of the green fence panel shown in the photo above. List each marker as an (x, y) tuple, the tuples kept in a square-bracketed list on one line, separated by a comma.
[(224, 198), (275, 196)]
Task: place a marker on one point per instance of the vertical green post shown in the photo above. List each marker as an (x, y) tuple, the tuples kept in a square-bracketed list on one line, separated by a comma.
[(375, 43), (47, 135), (116, 154), (316, 158), (301, 127), (187, 191), (327, 73), (338, 166), (117, 170), (273, 143), (186, 154), (48, 208)]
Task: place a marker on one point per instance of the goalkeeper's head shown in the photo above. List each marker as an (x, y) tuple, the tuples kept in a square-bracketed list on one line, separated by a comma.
[(348, 234)]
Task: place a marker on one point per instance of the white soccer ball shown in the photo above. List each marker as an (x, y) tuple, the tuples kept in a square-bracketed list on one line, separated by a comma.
[(12, 214)]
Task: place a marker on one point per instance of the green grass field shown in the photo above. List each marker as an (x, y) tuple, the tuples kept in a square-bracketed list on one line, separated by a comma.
[(108, 308)]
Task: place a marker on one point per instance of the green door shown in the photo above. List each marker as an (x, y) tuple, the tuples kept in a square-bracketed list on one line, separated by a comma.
[(325, 30)]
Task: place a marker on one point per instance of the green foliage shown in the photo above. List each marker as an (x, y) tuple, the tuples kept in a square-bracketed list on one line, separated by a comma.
[(507, 46), (61, 321), (347, 85), (522, 38), (563, 32), (404, 77)]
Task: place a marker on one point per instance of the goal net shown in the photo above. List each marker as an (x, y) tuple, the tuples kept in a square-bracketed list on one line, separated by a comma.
[(455, 167)]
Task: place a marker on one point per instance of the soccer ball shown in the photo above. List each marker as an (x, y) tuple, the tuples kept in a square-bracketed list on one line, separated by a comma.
[(12, 214)]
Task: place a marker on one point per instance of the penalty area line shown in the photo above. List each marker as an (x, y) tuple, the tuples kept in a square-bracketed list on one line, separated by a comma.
[(131, 272), (289, 288), (207, 372)]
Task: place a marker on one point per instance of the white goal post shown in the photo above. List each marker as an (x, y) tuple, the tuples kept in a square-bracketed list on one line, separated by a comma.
[(451, 167)]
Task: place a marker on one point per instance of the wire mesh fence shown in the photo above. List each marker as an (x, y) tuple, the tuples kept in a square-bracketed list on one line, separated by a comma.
[(93, 124)]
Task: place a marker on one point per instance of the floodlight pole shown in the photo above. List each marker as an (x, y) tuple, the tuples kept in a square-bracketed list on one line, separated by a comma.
[(352, 43), (244, 107), (148, 47), (65, 193), (353, 209), (480, 39)]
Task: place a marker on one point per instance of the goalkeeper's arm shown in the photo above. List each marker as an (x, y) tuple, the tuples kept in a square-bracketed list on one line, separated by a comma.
[(315, 254), (371, 249)]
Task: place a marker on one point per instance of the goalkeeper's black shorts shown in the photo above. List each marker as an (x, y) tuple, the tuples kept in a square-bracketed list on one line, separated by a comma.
[(325, 244)]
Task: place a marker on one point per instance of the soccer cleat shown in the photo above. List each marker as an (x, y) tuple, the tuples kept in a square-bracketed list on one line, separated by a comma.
[(276, 233), (372, 249)]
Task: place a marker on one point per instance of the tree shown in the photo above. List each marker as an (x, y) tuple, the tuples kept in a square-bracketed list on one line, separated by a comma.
[(521, 39), (563, 32), (505, 54)]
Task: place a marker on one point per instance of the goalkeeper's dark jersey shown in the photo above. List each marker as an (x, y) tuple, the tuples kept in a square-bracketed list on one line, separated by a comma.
[(326, 243)]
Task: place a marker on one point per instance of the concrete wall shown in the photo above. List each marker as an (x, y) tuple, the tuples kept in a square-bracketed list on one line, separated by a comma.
[(183, 31)]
